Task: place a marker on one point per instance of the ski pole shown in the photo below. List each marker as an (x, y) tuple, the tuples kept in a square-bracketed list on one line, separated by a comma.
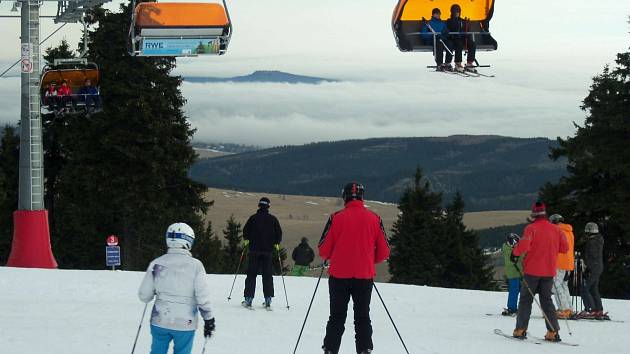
[(560, 304), (133, 349), (236, 273), (203, 351), (390, 318), (435, 36), (309, 308), (534, 297), (282, 276)]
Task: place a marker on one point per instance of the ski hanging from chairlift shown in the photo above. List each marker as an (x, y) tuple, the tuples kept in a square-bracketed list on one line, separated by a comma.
[(466, 30)]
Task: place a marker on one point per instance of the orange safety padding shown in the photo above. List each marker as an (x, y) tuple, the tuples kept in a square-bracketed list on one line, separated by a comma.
[(75, 77), (474, 10), (180, 14)]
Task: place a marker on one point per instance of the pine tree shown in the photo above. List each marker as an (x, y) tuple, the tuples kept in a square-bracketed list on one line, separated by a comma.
[(597, 187), (431, 246), (233, 249), (468, 267), (62, 51), (208, 249), (9, 163), (416, 242)]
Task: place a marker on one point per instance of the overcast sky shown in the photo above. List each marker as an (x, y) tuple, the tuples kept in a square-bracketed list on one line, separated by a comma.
[(548, 53)]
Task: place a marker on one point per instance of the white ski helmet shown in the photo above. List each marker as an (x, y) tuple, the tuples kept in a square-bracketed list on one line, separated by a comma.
[(556, 218), (180, 235), (591, 228)]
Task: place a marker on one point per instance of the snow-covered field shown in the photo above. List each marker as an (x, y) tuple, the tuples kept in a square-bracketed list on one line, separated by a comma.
[(97, 312)]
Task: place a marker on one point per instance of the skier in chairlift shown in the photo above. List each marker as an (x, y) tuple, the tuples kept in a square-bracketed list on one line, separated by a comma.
[(439, 27), (460, 41)]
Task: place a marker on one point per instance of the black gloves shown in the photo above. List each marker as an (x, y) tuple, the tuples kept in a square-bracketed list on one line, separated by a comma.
[(208, 328), (513, 258)]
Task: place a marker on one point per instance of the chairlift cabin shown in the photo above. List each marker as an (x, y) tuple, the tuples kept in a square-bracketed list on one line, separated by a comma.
[(75, 72), (180, 29), (407, 22)]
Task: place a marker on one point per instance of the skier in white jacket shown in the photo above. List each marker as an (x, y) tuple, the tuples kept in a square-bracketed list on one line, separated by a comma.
[(178, 283)]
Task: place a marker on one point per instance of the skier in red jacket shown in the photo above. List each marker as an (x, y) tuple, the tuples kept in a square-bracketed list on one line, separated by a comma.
[(353, 241), (541, 243)]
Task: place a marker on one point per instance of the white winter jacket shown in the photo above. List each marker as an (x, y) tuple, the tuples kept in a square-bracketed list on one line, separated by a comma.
[(178, 282)]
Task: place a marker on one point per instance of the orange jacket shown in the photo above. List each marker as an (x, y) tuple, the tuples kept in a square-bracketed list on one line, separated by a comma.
[(566, 261)]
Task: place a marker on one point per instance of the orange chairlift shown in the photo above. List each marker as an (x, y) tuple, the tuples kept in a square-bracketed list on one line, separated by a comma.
[(410, 15), (82, 78), (179, 29)]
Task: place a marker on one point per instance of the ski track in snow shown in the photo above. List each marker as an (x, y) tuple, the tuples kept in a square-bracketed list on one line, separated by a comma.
[(97, 312)]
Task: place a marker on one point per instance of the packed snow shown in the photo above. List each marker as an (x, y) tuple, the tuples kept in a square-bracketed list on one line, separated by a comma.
[(97, 312)]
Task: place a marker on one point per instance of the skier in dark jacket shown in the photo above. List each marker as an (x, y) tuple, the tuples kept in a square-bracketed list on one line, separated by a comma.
[(594, 261), (461, 41), (439, 27), (354, 241), (262, 233), (303, 255)]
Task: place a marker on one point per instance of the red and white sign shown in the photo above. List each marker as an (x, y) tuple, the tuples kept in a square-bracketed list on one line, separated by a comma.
[(112, 240)]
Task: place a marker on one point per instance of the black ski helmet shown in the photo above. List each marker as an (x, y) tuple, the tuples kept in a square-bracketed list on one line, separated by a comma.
[(264, 203), (352, 191), (512, 239), (436, 11), (455, 8)]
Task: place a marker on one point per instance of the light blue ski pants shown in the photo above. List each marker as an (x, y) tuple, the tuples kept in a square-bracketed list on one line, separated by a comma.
[(162, 337)]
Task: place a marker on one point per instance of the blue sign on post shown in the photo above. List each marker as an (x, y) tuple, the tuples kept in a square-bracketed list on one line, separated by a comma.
[(112, 256)]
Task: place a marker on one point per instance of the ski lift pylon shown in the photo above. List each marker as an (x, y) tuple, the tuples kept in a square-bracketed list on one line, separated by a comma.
[(180, 29), (409, 14)]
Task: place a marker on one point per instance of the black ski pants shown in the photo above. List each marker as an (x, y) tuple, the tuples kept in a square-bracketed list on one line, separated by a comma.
[(340, 291), (458, 44), (259, 262), (439, 50), (541, 286), (590, 292)]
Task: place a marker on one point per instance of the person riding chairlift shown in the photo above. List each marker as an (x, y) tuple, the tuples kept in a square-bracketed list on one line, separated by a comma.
[(459, 41), (64, 94), (89, 95), (439, 27), (50, 96)]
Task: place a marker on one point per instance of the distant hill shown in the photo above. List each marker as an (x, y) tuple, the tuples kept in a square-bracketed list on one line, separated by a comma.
[(262, 76), (492, 172)]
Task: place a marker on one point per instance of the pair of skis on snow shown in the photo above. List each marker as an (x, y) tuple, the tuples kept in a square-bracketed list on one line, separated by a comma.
[(570, 318), (251, 308), (532, 339)]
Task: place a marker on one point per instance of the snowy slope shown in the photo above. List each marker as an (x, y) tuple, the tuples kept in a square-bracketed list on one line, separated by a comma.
[(97, 312)]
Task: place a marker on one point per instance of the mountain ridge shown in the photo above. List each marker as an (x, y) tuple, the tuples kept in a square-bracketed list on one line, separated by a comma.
[(262, 76), (492, 172)]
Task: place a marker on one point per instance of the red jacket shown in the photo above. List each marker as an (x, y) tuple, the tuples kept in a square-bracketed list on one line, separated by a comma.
[(354, 240), (542, 241), (64, 91)]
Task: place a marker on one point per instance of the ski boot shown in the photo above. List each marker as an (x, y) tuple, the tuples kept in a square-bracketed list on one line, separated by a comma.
[(509, 312), (447, 67), (459, 68), (267, 304), (247, 303), (552, 336), (470, 68), (585, 315), (564, 314), (520, 333), (601, 316), (367, 351)]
